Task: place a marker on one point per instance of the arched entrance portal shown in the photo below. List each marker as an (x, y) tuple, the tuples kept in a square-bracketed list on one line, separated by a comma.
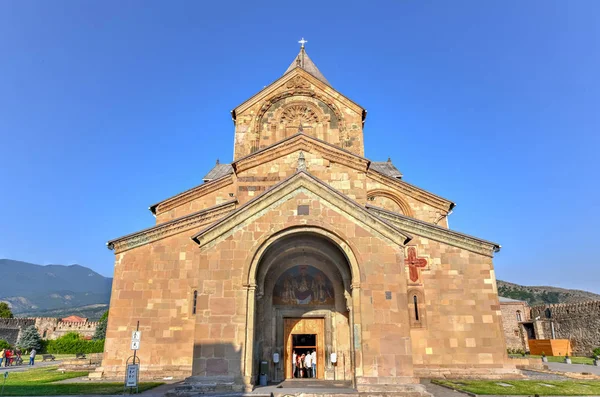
[(303, 296)]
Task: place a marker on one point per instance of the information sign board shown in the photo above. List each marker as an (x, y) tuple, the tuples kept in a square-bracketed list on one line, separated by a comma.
[(132, 375)]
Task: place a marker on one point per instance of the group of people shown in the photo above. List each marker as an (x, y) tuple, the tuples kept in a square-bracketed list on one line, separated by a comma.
[(305, 364), (10, 357)]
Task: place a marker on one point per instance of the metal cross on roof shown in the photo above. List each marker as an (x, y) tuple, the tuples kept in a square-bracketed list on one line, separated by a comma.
[(302, 42)]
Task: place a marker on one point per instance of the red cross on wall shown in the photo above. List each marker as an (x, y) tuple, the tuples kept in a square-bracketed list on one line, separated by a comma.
[(413, 263)]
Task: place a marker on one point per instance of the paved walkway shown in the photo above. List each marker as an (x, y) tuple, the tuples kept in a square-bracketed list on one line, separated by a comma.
[(561, 367), (25, 367)]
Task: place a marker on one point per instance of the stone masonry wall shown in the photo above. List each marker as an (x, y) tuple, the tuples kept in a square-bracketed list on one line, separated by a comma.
[(11, 328), (513, 332), (579, 322), (463, 332)]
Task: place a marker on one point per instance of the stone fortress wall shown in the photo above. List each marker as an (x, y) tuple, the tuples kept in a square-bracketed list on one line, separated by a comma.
[(579, 322), (48, 327), (10, 328)]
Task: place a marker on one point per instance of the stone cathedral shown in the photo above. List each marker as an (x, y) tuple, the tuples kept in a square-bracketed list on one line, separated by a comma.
[(301, 243)]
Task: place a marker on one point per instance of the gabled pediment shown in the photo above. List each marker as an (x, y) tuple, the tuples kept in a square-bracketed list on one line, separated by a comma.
[(300, 182), (298, 80), (304, 142)]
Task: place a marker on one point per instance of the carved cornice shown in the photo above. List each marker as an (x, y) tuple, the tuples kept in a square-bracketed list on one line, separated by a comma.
[(437, 233), (301, 142), (192, 194), (173, 227), (412, 191)]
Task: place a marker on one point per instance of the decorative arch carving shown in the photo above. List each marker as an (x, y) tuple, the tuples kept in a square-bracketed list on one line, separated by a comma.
[(298, 92), (298, 114), (404, 207)]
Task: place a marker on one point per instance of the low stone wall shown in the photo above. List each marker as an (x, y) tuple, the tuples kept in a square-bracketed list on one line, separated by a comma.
[(89, 363)]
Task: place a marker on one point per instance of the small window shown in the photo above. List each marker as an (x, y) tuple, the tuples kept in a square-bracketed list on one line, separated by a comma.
[(519, 318), (195, 301), (416, 302), (45, 333), (548, 313), (516, 332)]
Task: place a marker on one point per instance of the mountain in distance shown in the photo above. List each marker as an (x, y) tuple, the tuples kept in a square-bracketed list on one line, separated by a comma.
[(59, 291), (541, 295), (30, 288)]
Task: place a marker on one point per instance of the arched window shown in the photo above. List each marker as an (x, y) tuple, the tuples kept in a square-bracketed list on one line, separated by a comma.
[(416, 308), (519, 318), (416, 303), (548, 313), (195, 301), (45, 333)]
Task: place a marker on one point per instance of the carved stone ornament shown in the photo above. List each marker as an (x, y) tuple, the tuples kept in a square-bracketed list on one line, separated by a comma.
[(298, 115), (297, 82)]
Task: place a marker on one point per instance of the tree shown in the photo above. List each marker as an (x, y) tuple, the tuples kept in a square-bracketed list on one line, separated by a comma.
[(101, 328), (30, 339), (4, 344), (5, 310)]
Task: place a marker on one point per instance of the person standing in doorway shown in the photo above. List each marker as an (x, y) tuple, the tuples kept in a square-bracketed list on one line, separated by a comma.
[(314, 363), (32, 356), (308, 364), (294, 375)]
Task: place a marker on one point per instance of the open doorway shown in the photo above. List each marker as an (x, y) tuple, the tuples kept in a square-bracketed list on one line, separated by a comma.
[(304, 336), (304, 345)]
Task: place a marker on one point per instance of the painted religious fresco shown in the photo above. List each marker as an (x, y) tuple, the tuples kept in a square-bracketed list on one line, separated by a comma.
[(303, 285)]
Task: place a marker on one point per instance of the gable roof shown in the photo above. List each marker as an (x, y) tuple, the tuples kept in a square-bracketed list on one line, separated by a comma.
[(74, 319), (273, 195), (172, 227), (386, 168), (332, 151), (437, 233), (218, 171), (298, 71), (303, 61)]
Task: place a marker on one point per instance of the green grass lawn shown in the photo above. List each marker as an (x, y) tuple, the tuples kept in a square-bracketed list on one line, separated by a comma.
[(526, 387), (38, 382), (559, 359)]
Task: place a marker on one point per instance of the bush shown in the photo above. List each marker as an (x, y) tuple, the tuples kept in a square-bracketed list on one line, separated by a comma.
[(4, 344), (596, 352), (72, 343)]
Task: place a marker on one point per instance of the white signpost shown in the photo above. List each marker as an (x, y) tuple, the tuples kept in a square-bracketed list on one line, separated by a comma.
[(136, 337), (132, 375)]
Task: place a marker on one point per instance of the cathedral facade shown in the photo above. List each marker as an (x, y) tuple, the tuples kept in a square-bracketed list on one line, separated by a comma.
[(303, 244)]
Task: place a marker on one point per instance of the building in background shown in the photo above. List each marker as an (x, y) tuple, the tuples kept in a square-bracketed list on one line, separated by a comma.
[(48, 327)]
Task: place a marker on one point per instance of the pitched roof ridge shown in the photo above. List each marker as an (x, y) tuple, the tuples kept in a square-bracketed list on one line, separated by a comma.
[(302, 60), (297, 174), (298, 134), (111, 243), (403, 182), (152, 208), (432, 226)]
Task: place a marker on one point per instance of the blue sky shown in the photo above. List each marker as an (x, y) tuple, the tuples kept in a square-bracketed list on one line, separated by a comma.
[(107, 107)]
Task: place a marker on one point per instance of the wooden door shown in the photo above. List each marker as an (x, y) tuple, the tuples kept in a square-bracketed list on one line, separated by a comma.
[(299, 326)]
